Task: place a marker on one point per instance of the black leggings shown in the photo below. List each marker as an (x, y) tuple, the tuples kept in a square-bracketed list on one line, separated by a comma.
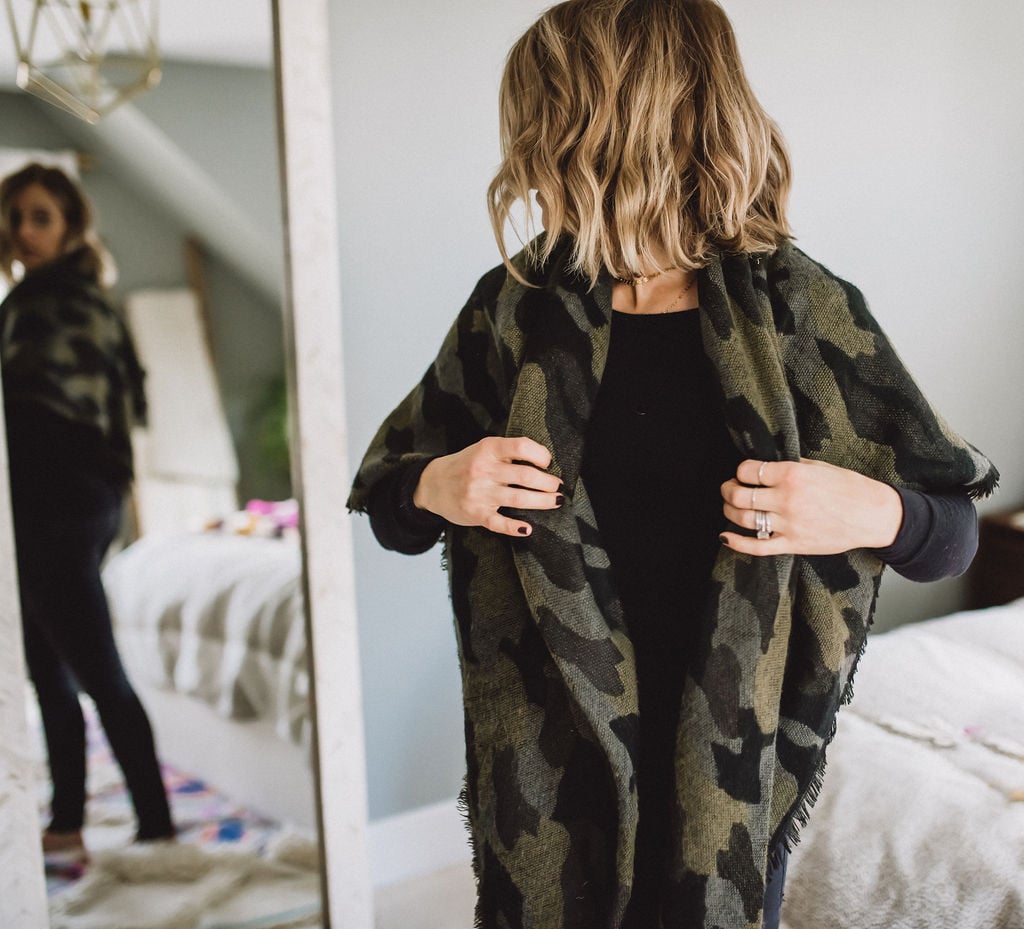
[(69, 644)]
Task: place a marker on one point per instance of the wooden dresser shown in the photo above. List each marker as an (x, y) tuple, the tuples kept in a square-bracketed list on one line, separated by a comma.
[(997, 574)]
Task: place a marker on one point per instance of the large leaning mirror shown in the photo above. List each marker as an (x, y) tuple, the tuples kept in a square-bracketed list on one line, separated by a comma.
[(206, 585)]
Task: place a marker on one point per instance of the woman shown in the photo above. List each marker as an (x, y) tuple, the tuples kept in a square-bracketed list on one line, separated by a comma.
[(72, 386), (669, 455)]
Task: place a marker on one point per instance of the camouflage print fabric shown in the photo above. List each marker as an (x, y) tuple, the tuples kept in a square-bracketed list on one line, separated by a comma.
[(548, 672), (65, 348)]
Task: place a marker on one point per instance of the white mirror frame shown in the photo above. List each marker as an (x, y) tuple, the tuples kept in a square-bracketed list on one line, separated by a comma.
[(320, 472), (313, 347), (22, 885)]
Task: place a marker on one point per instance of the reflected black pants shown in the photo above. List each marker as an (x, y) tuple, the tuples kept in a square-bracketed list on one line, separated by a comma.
[(69, 644)]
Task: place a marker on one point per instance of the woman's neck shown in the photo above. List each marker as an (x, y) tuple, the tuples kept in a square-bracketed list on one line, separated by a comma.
[(671, 291)]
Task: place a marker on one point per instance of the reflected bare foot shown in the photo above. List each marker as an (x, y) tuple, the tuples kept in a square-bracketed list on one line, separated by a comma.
[(62, 841), (158, 840), (68, 847)]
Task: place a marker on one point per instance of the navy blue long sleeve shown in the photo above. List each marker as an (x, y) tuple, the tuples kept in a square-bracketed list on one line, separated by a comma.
[(397, 522), (937, 538)]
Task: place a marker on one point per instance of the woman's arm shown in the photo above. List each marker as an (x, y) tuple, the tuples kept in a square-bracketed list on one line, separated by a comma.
[(814, 508), (409, 508), (819, 509)]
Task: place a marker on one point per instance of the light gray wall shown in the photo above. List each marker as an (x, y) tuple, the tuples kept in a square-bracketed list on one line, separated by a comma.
[(905, 130), (145, 245), (416, 144), (225, 117)]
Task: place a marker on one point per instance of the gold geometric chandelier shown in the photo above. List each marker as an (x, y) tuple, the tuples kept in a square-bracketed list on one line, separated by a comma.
[(87, 56)]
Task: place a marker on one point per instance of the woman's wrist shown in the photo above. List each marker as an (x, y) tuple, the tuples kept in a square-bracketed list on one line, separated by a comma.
[(887, 515), (421, 492)]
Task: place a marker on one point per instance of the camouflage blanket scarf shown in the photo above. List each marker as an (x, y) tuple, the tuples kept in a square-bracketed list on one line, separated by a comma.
[(64, 347), (548, 673)]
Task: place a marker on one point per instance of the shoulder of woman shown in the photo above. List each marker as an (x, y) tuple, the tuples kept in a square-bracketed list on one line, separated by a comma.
[(788, 263), (807, 284), (490, 285), (499, 293), (69, 305)]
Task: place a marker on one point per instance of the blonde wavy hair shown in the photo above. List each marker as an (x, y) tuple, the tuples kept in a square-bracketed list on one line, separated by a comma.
[(634, 122)]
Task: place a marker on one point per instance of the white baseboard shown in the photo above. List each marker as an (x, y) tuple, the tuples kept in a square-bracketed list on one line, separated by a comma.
[(418, 842)]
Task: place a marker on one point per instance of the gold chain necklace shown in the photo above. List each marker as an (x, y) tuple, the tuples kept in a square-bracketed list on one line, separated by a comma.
[(637, 281), (633, 282)]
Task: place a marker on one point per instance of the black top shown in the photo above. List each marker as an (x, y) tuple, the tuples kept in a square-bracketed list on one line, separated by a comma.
[(54, 462), (655, 454)]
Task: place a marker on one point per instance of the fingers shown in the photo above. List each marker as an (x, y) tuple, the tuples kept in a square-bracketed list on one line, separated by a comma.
[(516, 498), (758, 473), (528, 478), (748, 518), (813, 508), (776, 545), (477, 486), (518, 449), (739, 497), (757, 487), (504, 525)]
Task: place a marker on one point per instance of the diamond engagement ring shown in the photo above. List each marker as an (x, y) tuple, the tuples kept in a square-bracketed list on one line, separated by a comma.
[(763, 524)]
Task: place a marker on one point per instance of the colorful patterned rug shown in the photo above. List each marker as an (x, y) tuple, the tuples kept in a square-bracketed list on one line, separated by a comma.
[(231, 868)]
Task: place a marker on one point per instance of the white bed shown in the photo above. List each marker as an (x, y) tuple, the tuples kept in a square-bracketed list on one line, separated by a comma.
[(211, 630), (920, 823)]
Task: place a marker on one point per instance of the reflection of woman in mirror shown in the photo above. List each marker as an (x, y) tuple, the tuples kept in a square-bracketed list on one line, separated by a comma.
[(670, 455), (72, 386)]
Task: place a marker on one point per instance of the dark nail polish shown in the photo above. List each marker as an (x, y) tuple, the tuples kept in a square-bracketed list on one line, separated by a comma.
[(723, 540), (560, 499), (561, 488), (523, 530)]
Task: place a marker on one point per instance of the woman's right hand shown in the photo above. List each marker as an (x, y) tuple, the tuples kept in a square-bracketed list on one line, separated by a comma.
[(467, 488)]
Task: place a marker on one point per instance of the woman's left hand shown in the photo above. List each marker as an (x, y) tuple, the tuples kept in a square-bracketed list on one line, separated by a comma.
[(813, 508)]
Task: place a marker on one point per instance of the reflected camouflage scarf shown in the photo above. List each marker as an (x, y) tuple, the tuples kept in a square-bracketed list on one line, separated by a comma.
[(548, 672), (64, 347)]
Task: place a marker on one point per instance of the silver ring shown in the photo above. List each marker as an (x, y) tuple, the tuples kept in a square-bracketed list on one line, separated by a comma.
[(760, 470), (763, 524), (753, 499)]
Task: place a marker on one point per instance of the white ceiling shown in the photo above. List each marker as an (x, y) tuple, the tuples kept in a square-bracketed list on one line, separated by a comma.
[(235, 32), (227, 31)]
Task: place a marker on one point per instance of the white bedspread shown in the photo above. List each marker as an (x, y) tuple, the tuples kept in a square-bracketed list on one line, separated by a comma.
[(916, 826), (217, 617)]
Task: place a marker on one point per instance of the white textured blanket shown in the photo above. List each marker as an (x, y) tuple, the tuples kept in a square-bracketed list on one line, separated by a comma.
[(180, 886), (920, 824)]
